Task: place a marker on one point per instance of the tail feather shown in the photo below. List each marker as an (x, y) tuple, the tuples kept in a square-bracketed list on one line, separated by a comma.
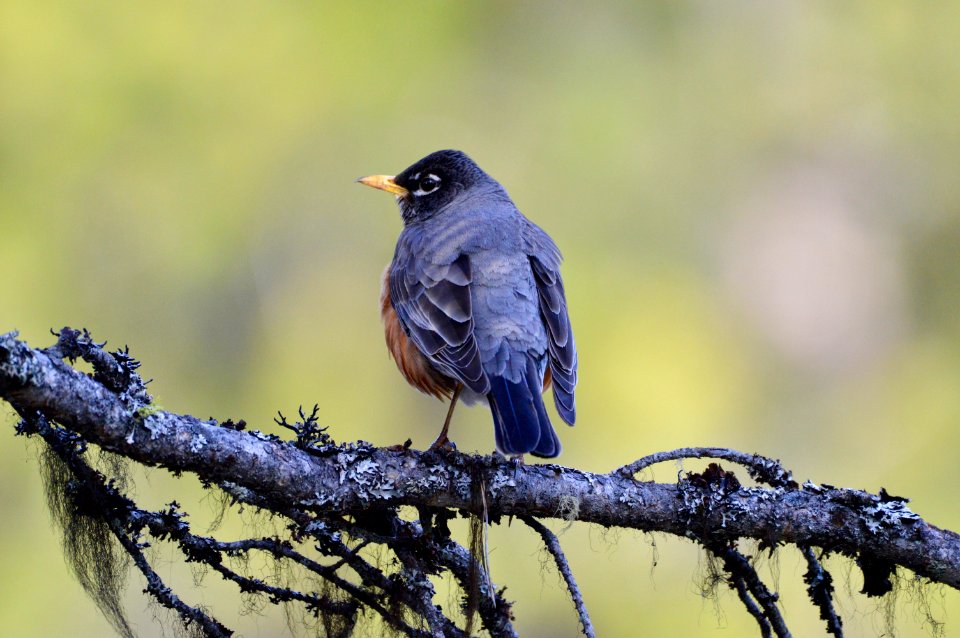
[(563, 398), (520, 419), (549, 445)]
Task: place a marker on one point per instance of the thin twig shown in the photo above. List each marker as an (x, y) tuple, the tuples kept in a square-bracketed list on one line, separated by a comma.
[(820, 588), (423, 591), (156, 587), (737, 565), (494, 610), (761, 468), (553, 546), (751, 606)]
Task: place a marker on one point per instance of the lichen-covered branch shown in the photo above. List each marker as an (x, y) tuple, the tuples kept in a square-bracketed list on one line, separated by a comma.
[(353, 490), (553, 546), (820, 588)]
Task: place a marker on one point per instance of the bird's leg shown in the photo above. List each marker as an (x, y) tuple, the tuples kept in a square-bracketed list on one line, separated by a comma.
[(516, 461), (442, 439)]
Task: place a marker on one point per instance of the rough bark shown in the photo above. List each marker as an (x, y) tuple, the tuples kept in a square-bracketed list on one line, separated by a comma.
[(314, 479)]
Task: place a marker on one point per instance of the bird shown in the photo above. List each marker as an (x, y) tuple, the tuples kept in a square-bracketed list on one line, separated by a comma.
[(473, 305)]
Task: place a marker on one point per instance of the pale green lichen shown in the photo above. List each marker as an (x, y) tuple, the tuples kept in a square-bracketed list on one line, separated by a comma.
[(145, 411)]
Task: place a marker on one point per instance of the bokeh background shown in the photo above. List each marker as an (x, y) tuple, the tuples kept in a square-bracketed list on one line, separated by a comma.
[(758, 203)]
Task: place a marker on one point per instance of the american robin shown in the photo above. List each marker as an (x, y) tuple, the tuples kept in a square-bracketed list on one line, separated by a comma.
[(473, 304)]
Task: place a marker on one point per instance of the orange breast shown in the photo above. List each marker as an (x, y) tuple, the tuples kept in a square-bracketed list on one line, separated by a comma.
[(414, 367)]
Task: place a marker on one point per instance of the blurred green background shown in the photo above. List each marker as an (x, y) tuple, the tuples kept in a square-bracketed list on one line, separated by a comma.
[(758, 203)]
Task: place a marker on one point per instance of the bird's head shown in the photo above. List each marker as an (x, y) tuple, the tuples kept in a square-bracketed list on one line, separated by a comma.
[(431, 184)]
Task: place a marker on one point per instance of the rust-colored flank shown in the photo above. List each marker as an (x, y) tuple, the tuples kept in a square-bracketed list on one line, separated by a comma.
[(415, 367), (412, 364)]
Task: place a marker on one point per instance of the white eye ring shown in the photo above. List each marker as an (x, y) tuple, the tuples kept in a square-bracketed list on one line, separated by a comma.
[(430, 177)]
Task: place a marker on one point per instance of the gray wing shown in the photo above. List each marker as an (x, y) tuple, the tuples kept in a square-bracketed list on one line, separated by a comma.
[(433, 304), (561, 347)]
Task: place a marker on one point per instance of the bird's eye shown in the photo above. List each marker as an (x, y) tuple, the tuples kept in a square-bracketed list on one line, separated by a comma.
[(427, 184)]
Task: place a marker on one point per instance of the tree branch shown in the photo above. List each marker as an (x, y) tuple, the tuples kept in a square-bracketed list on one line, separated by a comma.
[(553, 546), (314, 481)]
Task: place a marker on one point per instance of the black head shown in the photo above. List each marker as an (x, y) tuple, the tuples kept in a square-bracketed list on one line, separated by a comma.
[(428, 186)]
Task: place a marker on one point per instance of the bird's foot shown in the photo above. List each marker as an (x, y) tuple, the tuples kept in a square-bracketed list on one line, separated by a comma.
[(442, 444), (516, 461)]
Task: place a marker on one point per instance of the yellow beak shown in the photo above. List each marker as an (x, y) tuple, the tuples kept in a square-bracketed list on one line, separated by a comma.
[(385, 183)]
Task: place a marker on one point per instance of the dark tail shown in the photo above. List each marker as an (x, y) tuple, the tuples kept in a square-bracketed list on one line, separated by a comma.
[(519, 417)]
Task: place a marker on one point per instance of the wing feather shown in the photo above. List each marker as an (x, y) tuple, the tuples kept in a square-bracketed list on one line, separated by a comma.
[(561, 347), (433, 304)]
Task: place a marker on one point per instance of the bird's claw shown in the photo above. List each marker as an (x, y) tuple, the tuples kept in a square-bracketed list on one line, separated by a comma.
[(442, 444)]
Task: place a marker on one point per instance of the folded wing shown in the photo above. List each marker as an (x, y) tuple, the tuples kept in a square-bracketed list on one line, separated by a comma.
[(562, 350), (434, 307)]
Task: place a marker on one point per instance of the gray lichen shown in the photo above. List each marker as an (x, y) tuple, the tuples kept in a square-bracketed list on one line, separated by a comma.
[(198, 443)]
